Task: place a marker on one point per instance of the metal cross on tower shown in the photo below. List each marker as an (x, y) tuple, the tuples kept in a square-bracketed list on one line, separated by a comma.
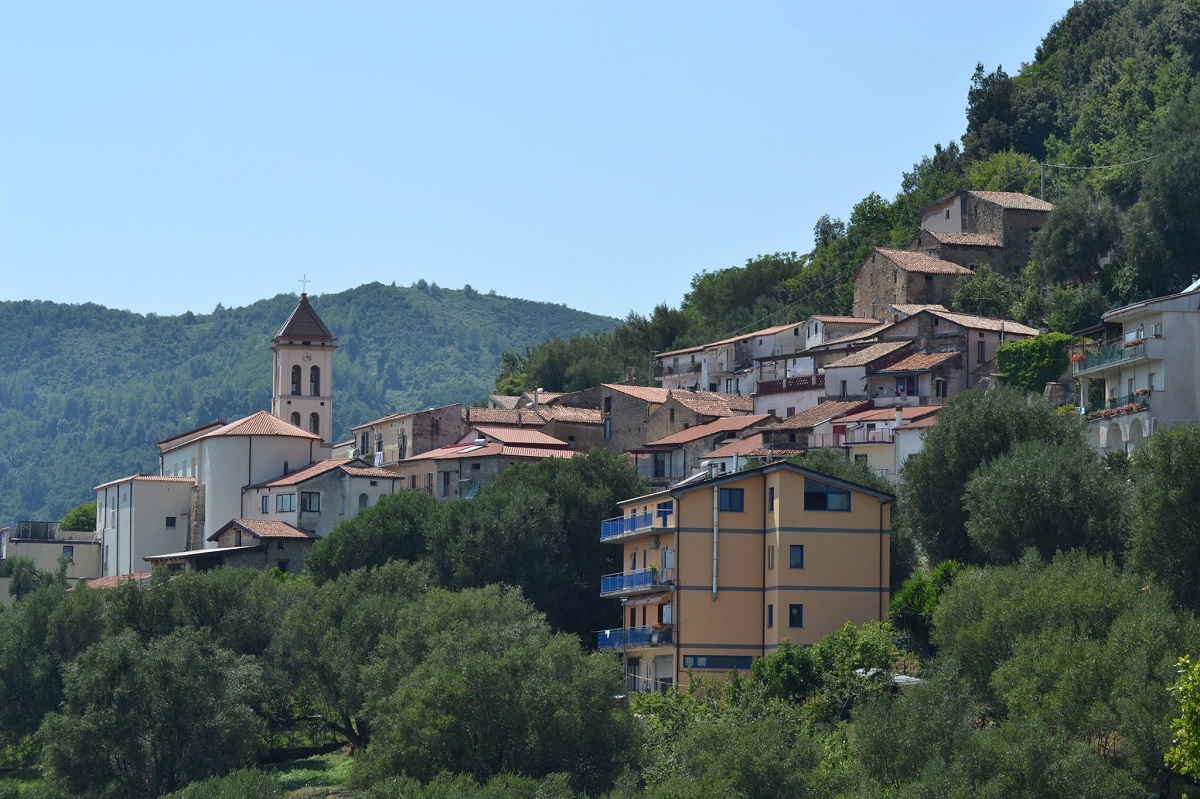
[(303, 281)]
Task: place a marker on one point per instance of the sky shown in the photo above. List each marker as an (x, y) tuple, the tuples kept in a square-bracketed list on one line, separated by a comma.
[(165, 157)]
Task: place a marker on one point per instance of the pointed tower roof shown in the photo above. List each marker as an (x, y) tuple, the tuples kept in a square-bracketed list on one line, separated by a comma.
[(304, 324)]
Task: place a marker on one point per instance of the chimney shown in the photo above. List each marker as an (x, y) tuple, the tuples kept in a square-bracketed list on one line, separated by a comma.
[(899, 416)]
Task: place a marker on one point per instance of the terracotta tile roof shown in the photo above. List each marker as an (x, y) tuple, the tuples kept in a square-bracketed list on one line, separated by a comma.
[(846, 320), (370, 471), (964, 239), (907, 413), (261, 424), (458, 452), (739, 446), (908, 309), (911, 261), (984, 323), (519, 435), (146, 478), (921, 424), (516, 417), (566, 413), (535, 452), (726, 425), (264, 528), (503, 401), (304, 324), (1013, 199), (652, 394), (194, 433), (822, 412), (766, 331), (869, 354), (774, 453), (307, 473), (917, 362), (112, 582), (708, 403)]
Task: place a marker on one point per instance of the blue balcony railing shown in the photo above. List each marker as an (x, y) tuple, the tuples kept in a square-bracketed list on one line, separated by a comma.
[(634, 638), (611, 528), (623, 582)]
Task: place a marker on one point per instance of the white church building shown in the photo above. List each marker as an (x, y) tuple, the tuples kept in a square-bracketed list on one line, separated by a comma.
[(209, 476)]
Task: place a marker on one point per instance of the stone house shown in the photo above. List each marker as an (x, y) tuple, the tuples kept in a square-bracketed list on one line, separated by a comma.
[(400, 435), (678, 456), (247, 544), (888, 277), (974, 227), (686, 409)]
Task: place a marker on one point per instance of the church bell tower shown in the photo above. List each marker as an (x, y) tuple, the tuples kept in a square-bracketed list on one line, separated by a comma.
[(303, 374)]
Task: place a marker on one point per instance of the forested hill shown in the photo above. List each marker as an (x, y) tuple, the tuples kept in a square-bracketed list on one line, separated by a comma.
[(1108, 108), (85, 390)]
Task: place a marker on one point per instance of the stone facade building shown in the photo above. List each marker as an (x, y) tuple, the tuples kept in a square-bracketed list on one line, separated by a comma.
[(890, 277)]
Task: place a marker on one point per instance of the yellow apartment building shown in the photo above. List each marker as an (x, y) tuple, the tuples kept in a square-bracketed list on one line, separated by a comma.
[(720, 570)]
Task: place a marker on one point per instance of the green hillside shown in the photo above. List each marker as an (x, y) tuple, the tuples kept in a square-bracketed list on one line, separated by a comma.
[(85, 390)]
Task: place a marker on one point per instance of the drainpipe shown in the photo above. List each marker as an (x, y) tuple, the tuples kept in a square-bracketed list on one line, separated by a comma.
[(716, 509)]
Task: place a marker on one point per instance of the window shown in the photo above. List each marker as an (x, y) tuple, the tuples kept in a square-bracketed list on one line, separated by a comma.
[(365, 443), (314, 381), (310, 501), (608, 404), (296, 418), (796, 556), (771, 498), (282, 566), (363, 501), (607, 429), (672, 414), (170, 521), (733, 499), (314, 423), (445, 484), (266, 503), (770, 556), (1150, 381), (285, 503), (770, 615), (939, 387), (819, 496), (979, 351), (795, 615), (791, 411), (721, 662), (295, 381), (69, 553)]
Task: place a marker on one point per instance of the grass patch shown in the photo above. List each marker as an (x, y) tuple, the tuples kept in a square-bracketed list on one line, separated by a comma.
[(321, 771)]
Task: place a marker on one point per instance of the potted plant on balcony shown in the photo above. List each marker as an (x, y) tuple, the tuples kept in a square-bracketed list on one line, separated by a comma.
[(1133, 342), (1142, 392), (1078, 357)]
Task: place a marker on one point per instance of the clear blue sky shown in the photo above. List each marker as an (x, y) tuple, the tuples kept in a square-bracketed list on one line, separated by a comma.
[(161, 158)]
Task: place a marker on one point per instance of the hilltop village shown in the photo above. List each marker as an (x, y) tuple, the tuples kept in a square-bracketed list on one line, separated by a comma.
[(716, 438)]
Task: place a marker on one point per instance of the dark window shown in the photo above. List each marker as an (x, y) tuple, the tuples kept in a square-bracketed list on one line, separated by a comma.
[(296, 418), (296, 381), (721, 662), (608, 404), (314, 381), (170, 521), (818, 496), (770, 556), (795, 615), (607, 429), (770, 615), (310, 501), (69, 553), (266, 504), (979, 351), (285, 503), (771, 498), (733, 499), (796, 556), (314, 423), (282, 566)]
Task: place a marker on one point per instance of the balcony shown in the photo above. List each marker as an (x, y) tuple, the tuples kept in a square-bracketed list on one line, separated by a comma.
[(624, 525), (639, 581), (635, 638), (805, 383), (878, 435), (1106, 356), (1117, 406)]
